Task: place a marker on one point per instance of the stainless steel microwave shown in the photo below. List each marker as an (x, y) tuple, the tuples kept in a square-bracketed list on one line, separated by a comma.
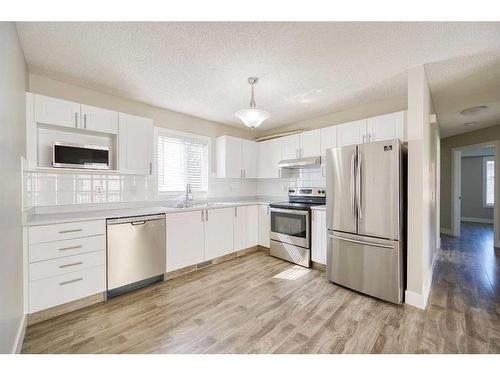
[(69, 155)]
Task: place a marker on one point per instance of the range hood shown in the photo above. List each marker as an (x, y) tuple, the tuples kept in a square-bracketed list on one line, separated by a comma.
[(313, 161)]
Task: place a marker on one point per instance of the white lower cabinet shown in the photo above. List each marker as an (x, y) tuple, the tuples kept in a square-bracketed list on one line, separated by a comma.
[(264, 225), (246, 227), (318, 252), (219, 224), (185, 239), (66, 262)]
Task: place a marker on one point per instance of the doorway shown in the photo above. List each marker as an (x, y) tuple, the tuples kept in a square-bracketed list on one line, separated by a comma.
[(475, 188)]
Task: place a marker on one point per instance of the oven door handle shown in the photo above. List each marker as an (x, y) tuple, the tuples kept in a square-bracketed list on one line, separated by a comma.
[(296, 212)]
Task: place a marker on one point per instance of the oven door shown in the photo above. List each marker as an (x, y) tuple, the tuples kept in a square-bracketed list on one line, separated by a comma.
[(290, 226)]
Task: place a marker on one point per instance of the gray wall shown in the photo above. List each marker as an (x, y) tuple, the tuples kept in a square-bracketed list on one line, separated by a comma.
[(13, 78), (447, 144), (472, 189)]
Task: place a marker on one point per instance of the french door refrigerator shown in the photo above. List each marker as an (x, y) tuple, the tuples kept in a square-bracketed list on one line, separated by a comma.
[(366, 200)]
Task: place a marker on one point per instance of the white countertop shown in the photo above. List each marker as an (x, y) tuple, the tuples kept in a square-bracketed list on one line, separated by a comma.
[(147, 209)]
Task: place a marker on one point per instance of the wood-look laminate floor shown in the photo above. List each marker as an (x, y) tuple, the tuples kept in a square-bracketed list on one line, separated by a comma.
[(259, 304)]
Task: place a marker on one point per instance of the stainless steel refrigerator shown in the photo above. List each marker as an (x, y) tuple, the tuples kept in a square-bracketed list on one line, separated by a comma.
[(366, 200)]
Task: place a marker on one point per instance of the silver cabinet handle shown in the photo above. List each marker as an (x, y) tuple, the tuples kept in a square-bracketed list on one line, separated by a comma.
[(142, 222), (236, 212), (70, 265), (206, 215), (85, 121), (70, 231), (71, 281), (76, 119), (150, 168), (361, 242), (202, 217), (244, 173), (70, 248)]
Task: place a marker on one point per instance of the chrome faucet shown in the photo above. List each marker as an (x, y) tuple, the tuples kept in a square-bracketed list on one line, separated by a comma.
[(189, 196)]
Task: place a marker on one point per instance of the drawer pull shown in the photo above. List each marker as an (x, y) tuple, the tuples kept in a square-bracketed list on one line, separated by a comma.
[(70, 248), (71, 281), (70, 231), (70, 265)]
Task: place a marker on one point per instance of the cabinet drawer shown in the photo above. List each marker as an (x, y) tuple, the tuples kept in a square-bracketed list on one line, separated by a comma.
[(61, 266), (56, 232), (53, 291), (58, 249)]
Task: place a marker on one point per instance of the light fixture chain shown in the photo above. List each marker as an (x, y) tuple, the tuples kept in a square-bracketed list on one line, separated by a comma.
[(252, 100)]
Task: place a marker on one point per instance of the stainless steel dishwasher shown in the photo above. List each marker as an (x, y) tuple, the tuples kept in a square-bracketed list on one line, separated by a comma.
[(136, 252)]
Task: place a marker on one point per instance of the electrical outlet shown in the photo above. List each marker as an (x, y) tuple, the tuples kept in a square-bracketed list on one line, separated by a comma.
[(99, 190)]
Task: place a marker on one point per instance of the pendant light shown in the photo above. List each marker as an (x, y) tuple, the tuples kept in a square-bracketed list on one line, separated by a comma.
[(252, 117)]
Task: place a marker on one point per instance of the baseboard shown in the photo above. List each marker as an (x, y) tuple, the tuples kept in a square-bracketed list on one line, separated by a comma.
[(446, 231), (476, 220), (21, 331), (420, 300)]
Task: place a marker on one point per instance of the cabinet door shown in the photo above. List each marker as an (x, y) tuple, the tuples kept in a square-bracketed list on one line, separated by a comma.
[(185, 239), (252, 225), (229, 157), (219, 226), (99, 119), (310, 143), (58, 112), (249, 158), (264, 226), (240, 240), (351, 133), (290, 147), (328, 140), (386, 127), (269, 155), (135, 144), (318, 241)]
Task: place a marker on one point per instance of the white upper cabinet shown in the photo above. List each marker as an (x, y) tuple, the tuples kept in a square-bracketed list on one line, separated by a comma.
[(351, 133), (290, 147), (386, 127), (52, 111), (135, 144), (269, 155), (310, 143), (328, 140), (236, 157), (249, 158), (301, 145), (99, 119), (219, 224), (185, 239), (246, 230)]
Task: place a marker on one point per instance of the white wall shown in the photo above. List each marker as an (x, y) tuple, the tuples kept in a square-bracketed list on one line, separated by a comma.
[(12, 145), (471, 194), (423, 156)]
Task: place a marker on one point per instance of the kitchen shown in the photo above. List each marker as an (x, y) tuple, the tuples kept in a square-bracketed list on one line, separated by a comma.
[(152, 230)]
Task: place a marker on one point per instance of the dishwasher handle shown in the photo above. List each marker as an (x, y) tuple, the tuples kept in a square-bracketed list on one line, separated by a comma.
[(135, 220)]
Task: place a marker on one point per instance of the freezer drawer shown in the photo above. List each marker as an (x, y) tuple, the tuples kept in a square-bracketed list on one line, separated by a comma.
[(371, 266)]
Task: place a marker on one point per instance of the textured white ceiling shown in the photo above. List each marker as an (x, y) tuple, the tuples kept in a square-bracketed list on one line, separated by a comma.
[(201, 69)]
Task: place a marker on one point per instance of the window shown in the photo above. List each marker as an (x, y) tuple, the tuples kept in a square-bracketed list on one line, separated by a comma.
[(488, 182), (181, 158)]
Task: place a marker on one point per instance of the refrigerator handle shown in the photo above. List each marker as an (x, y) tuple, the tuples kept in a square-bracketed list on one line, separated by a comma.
[(359, 187), (353, 183)]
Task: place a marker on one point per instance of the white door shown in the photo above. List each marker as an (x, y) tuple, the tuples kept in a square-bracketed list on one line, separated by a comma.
[(99, 119), (185, 239), (229, 157), (328, 140), (310, 143), (219, 226), (135, 144), (269, 155), (264, 225), (318, 240), (58, 112), (351, 133), (290, 147), (249, 158), (386, 127)]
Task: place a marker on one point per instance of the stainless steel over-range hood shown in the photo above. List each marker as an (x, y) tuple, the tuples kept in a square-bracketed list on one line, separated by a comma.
[(312, 161)]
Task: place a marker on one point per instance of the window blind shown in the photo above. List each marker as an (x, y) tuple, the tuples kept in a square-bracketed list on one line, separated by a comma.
[(181, 160)]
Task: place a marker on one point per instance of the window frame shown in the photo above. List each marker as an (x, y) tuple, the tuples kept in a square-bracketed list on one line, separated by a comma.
[(485, 182), (160, 131)]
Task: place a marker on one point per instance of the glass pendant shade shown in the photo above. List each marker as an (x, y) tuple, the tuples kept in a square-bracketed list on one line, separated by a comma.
[(252, 117)]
